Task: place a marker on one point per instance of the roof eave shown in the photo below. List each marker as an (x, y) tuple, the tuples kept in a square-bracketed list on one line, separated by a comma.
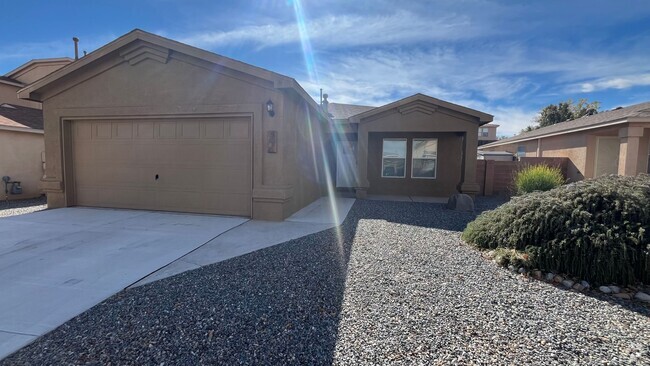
[(21, 129), (30, 92), (563, 132)]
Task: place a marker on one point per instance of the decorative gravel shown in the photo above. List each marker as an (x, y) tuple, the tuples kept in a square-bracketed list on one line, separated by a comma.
[(19, 207), (400, 287)]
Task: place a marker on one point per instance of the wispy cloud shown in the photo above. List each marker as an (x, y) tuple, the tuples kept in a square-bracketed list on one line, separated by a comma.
[(620, 82), (348, 30)]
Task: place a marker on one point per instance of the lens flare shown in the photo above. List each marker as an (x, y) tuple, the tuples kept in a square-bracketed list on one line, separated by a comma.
[(319, 139)]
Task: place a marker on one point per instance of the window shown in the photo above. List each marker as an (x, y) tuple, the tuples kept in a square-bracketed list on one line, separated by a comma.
[(425, 158), (483, 132), (521, 151), (393, 158)]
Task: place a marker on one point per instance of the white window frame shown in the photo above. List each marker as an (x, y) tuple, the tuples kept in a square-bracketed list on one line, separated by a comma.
[(405, 156), (483, 132), (413, 158)]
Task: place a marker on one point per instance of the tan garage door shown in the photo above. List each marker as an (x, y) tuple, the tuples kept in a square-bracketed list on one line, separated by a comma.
[(187, 165)]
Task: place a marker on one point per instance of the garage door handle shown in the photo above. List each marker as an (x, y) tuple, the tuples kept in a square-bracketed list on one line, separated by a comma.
[(156, 176)]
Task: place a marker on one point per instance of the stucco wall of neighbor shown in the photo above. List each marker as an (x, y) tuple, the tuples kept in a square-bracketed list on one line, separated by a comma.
[(572, 146), (440, 121), (448, 172), (21, 159), (183, 86), (8, 95)]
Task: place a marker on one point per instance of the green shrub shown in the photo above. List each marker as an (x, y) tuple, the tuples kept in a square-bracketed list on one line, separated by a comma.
[(596, 229), (506, 257), (538, 178)]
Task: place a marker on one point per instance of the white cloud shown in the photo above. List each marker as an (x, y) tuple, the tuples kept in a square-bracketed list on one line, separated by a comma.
[(347, 30), (620, 82)]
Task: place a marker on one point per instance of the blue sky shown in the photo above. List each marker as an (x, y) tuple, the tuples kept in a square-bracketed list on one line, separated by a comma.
[(507, 58)]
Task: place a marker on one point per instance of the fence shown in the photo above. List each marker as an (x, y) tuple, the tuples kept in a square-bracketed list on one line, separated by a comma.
[(496, 177)]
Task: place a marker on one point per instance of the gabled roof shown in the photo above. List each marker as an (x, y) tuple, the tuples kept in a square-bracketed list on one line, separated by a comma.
[(483, 118), (279, 81), (16, 117), (636, 112), (345, 111), (30, 64)]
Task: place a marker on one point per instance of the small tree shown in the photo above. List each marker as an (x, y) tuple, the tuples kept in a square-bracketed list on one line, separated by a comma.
[(563, 111)]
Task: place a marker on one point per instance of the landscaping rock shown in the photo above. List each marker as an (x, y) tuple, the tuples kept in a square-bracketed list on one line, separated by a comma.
[(550, 276), (624, 295), (461, 202), (558, 279), (642, 296), (615, 289), (522, 270), (585, 284), (567, 283), (605, 289), (578, 287)]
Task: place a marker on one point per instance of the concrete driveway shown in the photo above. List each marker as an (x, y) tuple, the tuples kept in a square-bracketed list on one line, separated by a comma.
[(56, 264)]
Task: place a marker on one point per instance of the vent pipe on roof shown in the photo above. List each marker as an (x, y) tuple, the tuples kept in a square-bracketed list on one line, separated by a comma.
[(325, 102), (76, 47)]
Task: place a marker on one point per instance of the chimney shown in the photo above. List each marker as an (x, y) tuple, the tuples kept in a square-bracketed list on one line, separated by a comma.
[(325, 103), (76, 47)]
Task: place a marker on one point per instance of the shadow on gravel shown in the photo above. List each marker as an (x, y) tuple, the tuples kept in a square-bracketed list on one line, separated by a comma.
[(279, 305)]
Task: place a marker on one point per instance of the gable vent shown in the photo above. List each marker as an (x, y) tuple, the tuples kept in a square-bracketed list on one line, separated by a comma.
[(140, 51)]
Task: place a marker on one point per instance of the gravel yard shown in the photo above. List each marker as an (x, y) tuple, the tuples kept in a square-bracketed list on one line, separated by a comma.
[(20, 207), (399, 287)]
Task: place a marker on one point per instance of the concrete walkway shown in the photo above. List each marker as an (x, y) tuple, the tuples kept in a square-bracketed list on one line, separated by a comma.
[(56, 264), (254, 234)]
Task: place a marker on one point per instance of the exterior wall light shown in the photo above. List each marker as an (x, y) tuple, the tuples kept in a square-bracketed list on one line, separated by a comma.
[(269, 108)]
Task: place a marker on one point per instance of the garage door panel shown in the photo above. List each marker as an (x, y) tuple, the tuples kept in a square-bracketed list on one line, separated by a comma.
[(203, 165)]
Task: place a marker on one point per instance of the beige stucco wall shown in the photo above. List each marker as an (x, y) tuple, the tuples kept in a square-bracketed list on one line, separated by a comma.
[(8, 95), (441, 120), (580, 147), (20, 159), (182, 86)]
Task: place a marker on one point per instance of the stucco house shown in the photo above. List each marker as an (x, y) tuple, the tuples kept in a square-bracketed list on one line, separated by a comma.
[(487, 133), (610, 142), (146, 122), (416, 146), (21, 130)]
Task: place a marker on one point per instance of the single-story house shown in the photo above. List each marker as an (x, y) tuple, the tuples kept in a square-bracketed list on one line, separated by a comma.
[(146, 122), (610, 142), (419, 146), (21, 131)]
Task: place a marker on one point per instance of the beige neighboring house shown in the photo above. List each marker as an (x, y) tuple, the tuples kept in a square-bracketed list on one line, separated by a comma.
[(21, 130), (611, 142), (487, 133), (146, 122)]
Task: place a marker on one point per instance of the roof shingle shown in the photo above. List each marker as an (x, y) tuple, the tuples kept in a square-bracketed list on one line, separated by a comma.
[(22, 117), (345, 111)]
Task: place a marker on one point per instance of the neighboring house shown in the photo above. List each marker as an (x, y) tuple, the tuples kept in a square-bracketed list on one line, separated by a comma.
[(487, 133), (419, 146), (611, 142), (21, 130), (146, 122), (495, 155)]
